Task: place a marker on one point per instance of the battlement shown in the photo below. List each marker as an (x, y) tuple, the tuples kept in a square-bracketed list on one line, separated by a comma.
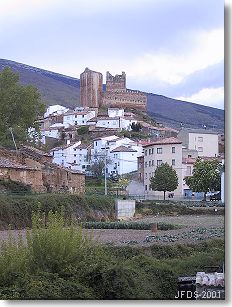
[(115, 83)]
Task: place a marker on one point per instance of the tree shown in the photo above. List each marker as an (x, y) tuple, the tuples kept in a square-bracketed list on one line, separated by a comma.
[(136, 127), (206, 176), (20, 107), (98, 166), (165, 179)]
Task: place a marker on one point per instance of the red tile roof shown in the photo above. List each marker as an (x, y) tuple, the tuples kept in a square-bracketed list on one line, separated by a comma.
[(165, 141), (123, 149)]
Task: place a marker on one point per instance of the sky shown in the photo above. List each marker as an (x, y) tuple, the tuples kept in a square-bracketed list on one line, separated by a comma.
[(173, 48)]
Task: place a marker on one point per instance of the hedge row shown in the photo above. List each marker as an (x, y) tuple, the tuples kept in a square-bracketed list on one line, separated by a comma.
[(173, 208), (128, 225), (16, 211)]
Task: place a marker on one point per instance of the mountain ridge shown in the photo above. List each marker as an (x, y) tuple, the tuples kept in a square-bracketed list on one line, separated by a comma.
[(56, 88)]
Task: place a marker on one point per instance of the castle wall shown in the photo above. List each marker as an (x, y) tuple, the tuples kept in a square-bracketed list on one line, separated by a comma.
[(127, 99), (91, 88)]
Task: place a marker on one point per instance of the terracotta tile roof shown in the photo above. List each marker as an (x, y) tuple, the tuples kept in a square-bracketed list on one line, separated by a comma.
[(34, 151), (165, 141), (123, 149), (83, 146), (188, 160), (6, 163)]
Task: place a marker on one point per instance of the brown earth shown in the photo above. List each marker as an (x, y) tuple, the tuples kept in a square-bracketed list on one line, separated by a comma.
[(212, 225)]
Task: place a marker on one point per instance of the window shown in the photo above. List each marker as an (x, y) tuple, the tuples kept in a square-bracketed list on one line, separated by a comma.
[(74, 161), (173, 162), (83, 166), (159, 162), (200, 149), (96, 143), (146, 152), (75, 155), (145, 175), (152, 151), (200, 139), (159, 150), (149, 151), (189, 156), (83, 116), (188, 171), (75, 122), (149, 163), (173, 149), (152, 163), (145, 187), (145, 164), (83, 122)]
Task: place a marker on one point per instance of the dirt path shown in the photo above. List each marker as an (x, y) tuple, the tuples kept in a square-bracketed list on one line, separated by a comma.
[(196, 229)]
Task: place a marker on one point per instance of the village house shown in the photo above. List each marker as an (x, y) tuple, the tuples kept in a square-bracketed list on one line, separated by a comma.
[(121, 152), (75, 156), (78, 118), (169, 151)]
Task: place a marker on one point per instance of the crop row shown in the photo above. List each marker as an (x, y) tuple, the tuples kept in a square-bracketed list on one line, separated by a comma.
[(195, 234), (128, 225)]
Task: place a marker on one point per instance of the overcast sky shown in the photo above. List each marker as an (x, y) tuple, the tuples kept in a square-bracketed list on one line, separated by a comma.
[(168, 47)]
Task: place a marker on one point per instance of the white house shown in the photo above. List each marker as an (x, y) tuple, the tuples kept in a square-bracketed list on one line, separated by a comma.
[(78, 118), (123, 160), (53, 131), (55, 110), (115, 112), (122, 153), (115, 122), (64, 155)]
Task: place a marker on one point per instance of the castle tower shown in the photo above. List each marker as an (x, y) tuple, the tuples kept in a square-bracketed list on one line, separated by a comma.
[(115, 83), (91, 88)]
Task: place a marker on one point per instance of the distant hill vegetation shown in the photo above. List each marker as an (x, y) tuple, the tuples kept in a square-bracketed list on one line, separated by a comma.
[(64, 90)]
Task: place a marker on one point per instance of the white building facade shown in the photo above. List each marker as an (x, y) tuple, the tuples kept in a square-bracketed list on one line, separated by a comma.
[(78, 118), (204, 141), (169, 151)]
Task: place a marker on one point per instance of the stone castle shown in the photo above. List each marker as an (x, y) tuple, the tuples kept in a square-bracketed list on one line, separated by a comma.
[(116, 94)]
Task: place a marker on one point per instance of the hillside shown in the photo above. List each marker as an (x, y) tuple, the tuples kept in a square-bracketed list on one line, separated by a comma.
[(59, 89), (54, 88), (174, 112)]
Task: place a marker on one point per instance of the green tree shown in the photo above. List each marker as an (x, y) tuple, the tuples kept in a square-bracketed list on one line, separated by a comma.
[(165, 179), (136, 127), (206, 176), (20, 107)]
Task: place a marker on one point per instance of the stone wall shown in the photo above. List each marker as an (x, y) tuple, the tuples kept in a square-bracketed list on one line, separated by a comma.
[(63, 180), (26, 176)]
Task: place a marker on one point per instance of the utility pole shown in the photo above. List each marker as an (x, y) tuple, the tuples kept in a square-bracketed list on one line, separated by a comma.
[(105, 172), (11, 131)]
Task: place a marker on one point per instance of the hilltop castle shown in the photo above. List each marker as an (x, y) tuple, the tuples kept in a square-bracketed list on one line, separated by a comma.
[(116, 94)]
